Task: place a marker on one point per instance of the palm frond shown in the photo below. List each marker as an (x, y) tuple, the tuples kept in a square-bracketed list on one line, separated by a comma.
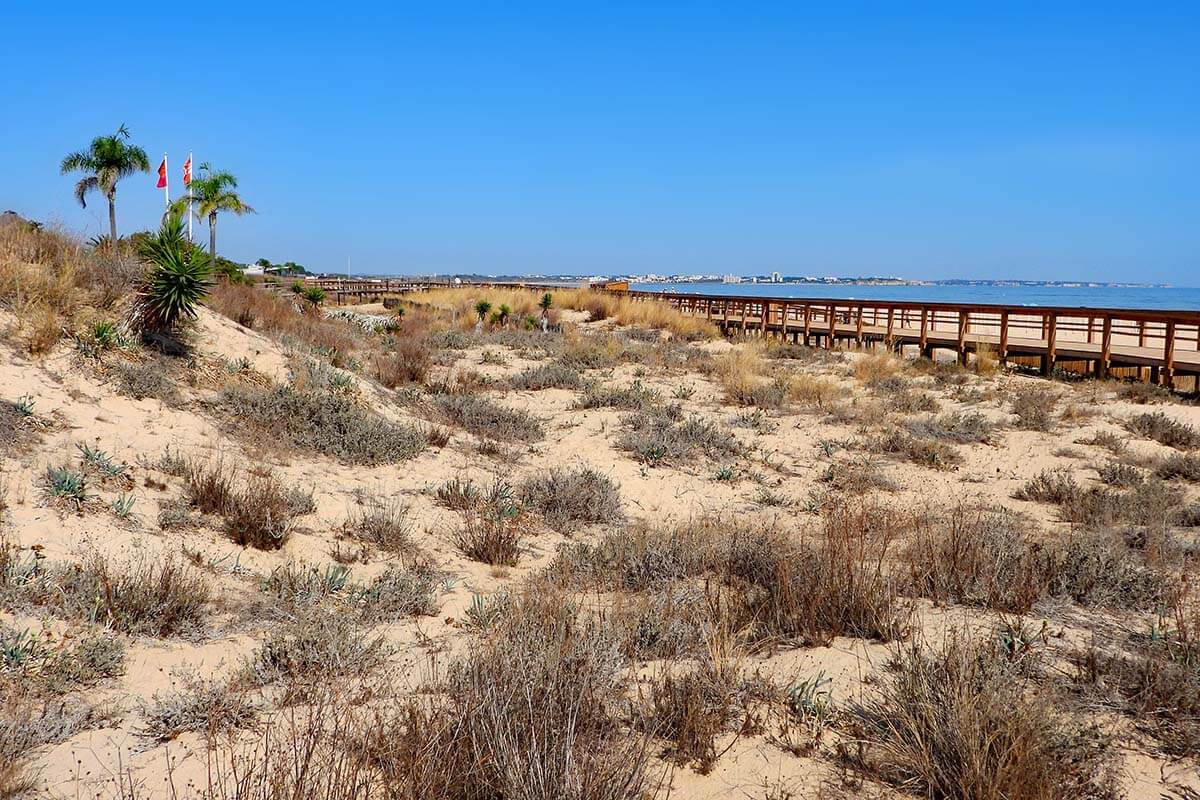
[(85, 185)]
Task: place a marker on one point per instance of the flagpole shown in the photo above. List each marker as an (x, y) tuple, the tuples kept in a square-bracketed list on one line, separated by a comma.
[(189, 188), (166, 182)]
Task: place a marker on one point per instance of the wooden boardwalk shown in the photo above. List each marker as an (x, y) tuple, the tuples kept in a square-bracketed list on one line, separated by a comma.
[(1160, 344), (1166, 342)]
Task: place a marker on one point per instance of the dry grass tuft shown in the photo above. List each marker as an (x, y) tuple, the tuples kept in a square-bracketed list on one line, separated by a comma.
[(960, 722)]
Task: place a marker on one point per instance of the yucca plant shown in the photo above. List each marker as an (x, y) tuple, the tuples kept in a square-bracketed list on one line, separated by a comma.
[(482, 308), (177, 280), (314, 295)]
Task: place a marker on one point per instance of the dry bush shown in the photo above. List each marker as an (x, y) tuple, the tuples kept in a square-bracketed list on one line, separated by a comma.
[(407, 361), (1165, 430), (594, 351), (385, 524), (1120, 474), (959, 722), (28, 723), (1108, 440), (899, 395), (978, 555), (781, 589), (919, 450), (321, 422), (47, 277), (566, 497), (691, 708), (625, 310), (1179, 465), (634, 397), (19, 426), (740, 370), (489, 419), (549, 375), (312, 648), (813, 391), (875, 368), (1098, 568), (857, 476), (531, 712), (660, 436), (163, 597), (209, 486), (400, 593), (1144, 392), (140, 380), (459, 494), (260, 515), (1156, 683), (985, 362), (962, 427), (1034, 407), (282, 317), (1149, 502), (198, 706), (490, 537)]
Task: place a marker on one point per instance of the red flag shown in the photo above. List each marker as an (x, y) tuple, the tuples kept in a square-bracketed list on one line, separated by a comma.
[(162, 174), (187, 171)]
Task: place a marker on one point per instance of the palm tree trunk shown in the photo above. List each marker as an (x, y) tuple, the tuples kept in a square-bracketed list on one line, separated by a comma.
[(112, 216), (212, 237)]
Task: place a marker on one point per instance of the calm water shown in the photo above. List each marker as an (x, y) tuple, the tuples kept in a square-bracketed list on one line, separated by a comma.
[(1176, 299)]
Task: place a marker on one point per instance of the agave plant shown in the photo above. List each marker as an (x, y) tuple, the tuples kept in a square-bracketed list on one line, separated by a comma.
[(177, 280)]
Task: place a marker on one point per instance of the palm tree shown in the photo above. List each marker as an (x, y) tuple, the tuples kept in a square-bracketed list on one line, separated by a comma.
[(211, 193), (106, 161)]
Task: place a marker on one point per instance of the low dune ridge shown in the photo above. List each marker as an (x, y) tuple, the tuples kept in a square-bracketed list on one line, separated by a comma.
[(426, 551)]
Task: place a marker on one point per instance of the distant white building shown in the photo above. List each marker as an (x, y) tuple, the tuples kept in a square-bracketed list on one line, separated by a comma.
[(732, 279), (252, 269), (776, 277)]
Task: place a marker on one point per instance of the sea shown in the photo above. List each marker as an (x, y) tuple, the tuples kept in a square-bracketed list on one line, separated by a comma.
[(1175, 299)]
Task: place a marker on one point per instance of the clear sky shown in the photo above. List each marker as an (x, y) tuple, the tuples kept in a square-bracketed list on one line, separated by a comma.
[(1028, 140)]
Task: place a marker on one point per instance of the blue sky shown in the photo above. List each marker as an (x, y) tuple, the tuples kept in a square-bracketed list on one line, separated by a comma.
[(1028, 140)]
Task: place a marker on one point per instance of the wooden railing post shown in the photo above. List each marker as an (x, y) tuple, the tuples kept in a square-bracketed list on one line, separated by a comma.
[(745, 310), (832, 326), (1002, 356), (924, 341), (783, 323), (858, 331), (1050, 323), (890, 338), (964, 318), (807, 323), (1168, 370), (1105, 347)]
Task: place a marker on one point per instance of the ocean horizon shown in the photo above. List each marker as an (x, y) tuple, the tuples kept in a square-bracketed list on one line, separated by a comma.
[(1160, 298)]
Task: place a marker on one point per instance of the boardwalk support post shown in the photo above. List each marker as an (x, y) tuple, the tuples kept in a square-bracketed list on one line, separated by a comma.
[(1105, 348), (1050, 324), (1002, 356)]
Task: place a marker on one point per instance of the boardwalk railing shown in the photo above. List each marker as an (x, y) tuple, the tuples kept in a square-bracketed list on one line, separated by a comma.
[(1166, 342), (1163, 343)]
